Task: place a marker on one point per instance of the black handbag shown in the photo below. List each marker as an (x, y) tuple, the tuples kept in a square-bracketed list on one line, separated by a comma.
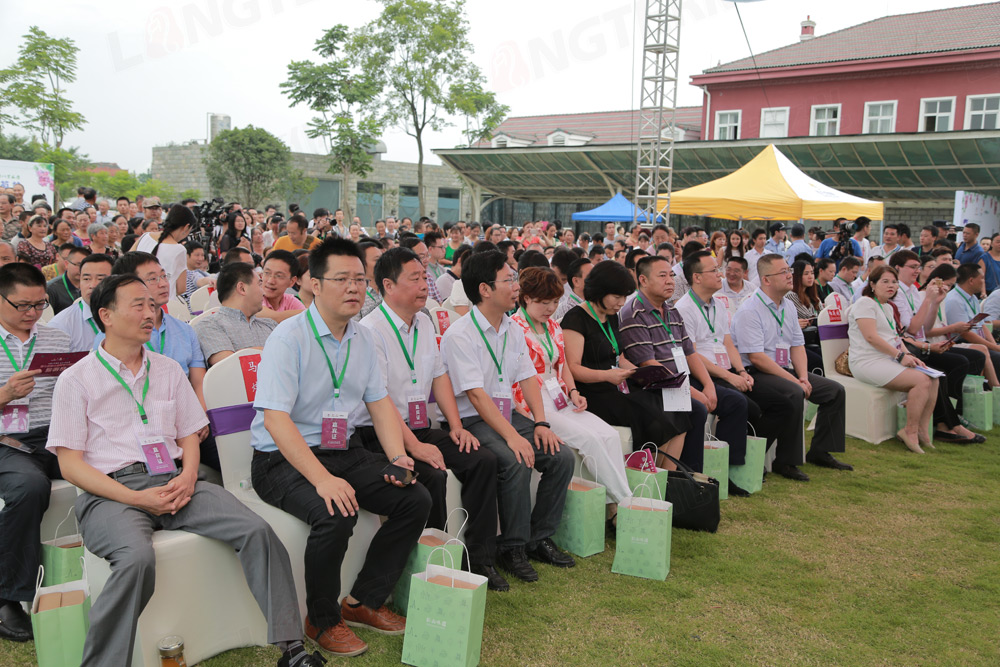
[(695, 498)]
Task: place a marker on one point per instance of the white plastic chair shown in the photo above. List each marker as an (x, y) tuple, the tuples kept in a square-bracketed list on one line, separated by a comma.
[(207, 313), (227, 385), (871, 410), (838, 307), (47, 314), (199, 298), (177, 308), (431, 304)]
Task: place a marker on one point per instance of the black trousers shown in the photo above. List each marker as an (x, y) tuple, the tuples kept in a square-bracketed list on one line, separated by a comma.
[(782, 403), (956, 363), (25, 486), (734, 411), (476, 470), (278, 483)]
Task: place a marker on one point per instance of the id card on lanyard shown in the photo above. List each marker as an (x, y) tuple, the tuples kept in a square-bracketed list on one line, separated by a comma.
[(334, 425), (781, 349), (416, 404), (609, 333), (502, 397)]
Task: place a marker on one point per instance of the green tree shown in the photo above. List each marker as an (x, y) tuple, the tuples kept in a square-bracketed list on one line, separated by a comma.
[(120, 184), (14, 147), (34, 87), (342, 95), (420, 52), (252, 165), (480, 108)]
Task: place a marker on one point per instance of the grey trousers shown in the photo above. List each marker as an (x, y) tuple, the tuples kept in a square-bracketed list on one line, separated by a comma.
[(123, 535), (519, 525)]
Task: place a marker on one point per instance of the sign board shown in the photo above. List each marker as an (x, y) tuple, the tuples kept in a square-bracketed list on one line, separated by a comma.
[(36, 177), (984, 210)]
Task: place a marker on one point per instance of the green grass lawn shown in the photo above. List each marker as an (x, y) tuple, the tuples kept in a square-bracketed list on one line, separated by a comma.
[(895, 563)]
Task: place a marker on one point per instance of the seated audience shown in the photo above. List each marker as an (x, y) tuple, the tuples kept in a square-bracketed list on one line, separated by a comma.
[(65, 289), (843, 283), (805, 297), (235, 325), (79, 322), (372, 251), (280, 275)]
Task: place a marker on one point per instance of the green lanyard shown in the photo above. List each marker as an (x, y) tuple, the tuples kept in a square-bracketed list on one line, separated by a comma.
[(550, 348), (11, 356), (329, 364), (970, 304), (711, 326), (498, 364), (66, 285), (163, 340), (781, 322), (371, 295), (574, 298), (606, 328), (145, 386), (656, 314), (909, 300), (402, 345), (892, 325), (848, 285), (90, 321)]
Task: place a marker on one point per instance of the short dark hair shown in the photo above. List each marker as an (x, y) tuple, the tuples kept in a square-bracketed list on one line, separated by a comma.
[(320, 212), (93, 258), (903, 229), (130, 262), (850, 262), (576, 268), (823, 263), (410, 241), (667, 245), (645, 265), (530, 258), (633, 256), (191, 246), (607, 278), (690, 247), (432, 237), (688, 231), (456, 258), (861, 222), (17, 273), (875, 276), (123, 197), (932, 229), (236, 255), (967, 272), (286, 257), (693, 262), (901, 257), (299, 220), (105, 294), (483, 270), (942, 271), (562, 259), (331, 247), (232, 274), (76, 249), (973, 225), (757, 232), (767, 260), (744, 264), (596, 250), (390, 265), (893, 226), (504, 246)]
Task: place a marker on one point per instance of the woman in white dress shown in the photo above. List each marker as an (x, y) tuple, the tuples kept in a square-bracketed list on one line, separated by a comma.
[(596, 441), (166, 246), (877, 356)]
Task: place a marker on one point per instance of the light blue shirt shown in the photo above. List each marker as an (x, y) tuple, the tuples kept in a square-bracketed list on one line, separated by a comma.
[(773, 246), (960, 306), (798, 247), (78, 322), (181, 343), (755, 328), (991, 305), (293, 377)]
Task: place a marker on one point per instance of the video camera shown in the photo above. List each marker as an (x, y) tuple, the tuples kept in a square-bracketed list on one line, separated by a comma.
[(844, 247)]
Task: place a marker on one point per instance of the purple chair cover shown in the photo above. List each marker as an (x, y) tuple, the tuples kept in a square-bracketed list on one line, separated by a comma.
[(833, 332), (231, 419)]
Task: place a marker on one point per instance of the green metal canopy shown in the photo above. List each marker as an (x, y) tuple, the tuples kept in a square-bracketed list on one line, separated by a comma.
[(889, 167)]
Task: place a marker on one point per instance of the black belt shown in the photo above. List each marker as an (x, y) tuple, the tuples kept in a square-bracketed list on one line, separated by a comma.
[(134, 469)]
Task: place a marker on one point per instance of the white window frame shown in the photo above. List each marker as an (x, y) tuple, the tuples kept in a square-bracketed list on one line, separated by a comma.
[(739, 123), (923, 116), (968, 108), (788, 113), (812, 119), (868, 118)]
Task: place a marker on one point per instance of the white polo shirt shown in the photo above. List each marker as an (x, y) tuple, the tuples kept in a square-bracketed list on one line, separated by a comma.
[(706, 324)]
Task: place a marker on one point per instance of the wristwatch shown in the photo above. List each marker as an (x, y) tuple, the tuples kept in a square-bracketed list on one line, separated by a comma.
[(899, 357)]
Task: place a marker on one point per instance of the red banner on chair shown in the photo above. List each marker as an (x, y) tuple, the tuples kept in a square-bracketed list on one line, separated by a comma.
[(443, 321), (834, 314), (249, 365)]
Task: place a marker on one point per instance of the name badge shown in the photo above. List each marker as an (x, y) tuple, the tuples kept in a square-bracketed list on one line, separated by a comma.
[(781, 355), (679, 399), (679, 359), (502, 400), (556, 393), (722, 357), (623, 385), (14, 418), (334, 430), (158, 461), (416, 408)]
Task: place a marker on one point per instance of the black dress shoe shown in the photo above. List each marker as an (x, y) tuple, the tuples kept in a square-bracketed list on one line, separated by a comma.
[(548, 552), (516, 562), (737, 491), (14, 623), (494, 581), (826, 460), (313, 660), (791, 472)]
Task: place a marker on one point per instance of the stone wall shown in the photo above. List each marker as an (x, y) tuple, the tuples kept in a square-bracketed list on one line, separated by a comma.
[(183, 168)]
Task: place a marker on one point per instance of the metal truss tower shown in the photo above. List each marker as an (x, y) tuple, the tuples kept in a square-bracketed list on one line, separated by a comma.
[(657, 106)]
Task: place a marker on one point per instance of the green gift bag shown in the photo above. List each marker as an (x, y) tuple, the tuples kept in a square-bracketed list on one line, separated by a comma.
[(431, 540), (750, 475), (996, 406), (581, 529), (60, 619), (642, 545), (810, 411), (716, 464), (637, 476), (62, 557), (444, 618), (978, 409), (901, 420), (973, 384)]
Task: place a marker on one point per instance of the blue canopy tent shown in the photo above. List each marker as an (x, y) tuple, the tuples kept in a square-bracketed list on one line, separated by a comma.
[(616, 209)]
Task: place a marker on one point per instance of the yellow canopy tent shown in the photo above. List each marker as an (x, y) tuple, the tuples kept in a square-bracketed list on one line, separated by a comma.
[(769, 187)]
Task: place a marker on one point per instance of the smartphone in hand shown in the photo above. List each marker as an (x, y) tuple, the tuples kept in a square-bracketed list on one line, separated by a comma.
[(401, 474)]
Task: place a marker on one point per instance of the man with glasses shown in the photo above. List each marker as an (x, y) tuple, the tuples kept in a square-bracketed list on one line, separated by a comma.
[(65, 289), (77, 321), (317, 372), (767, 334), (280, 273), (436, 250), (25, 465)]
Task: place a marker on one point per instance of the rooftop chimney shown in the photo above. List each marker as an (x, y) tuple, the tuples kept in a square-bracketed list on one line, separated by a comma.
[(808, 30)]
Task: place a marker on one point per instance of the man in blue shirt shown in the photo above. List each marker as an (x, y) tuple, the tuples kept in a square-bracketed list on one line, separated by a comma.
[(969, 251), (839, 233), (316, 370), (767, 335), (799, 244), (962, 304), (776, 244)]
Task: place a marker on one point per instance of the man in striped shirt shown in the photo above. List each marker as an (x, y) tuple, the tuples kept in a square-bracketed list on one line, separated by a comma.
[(25, 466)]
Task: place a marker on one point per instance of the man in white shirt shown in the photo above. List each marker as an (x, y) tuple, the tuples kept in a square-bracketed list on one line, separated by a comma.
[(862, 228), (77, 320), (485, 354), (412, 369), (577, 273), (890, 242), (758, 238), (843, 282), (735, 288), (453, 273)]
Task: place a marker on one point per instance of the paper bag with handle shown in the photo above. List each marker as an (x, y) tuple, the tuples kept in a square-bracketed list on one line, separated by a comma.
[(61, 556), (581, 528), (642, 545), (750, 475), (640, 466), (716, 463), (60, 619), (430, 540)]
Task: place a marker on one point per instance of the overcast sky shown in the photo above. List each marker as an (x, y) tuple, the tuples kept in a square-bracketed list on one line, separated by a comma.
[(150, 71)]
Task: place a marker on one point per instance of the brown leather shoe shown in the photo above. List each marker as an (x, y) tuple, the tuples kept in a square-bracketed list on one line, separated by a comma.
[(339, 640), (380, 620)]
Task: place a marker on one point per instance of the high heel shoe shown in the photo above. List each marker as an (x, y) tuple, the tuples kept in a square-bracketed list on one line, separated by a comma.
[(912, 446)]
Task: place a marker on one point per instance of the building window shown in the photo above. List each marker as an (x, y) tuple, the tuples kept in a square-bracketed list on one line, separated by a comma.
[(774, 122), (825, 120), (500, 143), (937, 115), (880, 117), (982, 112), (727, 124)]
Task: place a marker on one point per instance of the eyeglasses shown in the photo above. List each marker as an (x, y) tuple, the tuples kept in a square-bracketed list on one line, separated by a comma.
[(509, 281), (715, 270), (342, 282), (25, 307), (155, 280), (277, 276), (783, 272)]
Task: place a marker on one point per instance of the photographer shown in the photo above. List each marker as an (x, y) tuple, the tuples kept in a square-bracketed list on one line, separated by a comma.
[(842, 244)]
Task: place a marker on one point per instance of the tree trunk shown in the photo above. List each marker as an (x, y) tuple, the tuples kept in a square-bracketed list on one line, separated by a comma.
[(345, 199), (420, 173)]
